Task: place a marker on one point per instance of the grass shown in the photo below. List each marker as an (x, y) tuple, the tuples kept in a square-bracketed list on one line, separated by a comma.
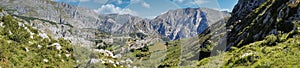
[(272, 50), (265, 53), (173, 54), (19, 48), (157, 47), (293, 5), (249, 51)]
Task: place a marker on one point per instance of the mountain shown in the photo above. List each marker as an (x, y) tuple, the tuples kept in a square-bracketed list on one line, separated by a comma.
[(75, 23), (108, 38), (79, 25), (127, 24), (185, 23), (24, 43), (25, 46), (188, 51), (259, 33), (266, 17), (64, 18), (174, 24)]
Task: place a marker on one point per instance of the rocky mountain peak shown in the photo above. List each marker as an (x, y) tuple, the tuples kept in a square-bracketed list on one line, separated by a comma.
[(188, 22)]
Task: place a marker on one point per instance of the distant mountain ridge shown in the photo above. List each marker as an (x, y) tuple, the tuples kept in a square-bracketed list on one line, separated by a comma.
[(186, 23)]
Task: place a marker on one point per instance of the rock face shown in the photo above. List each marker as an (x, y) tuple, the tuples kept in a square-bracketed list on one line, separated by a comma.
[(81, 25), (256, 29), (189, 22), (124, 24), (244, 7), (62, 20), (174, 24), (252, 20)]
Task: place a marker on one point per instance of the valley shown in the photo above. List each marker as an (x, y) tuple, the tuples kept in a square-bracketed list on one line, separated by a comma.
[(257, 33)]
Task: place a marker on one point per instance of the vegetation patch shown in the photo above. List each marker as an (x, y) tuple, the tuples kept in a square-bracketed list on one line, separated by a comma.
[(20, 48)]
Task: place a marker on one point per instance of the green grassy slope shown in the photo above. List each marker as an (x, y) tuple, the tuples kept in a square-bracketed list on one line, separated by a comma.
[(255, 45), (23, 46), (280, 49), (274, 51)]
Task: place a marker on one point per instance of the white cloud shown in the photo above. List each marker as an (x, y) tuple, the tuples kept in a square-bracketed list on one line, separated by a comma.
[(225, 10), (228, 10), (146, 5), (112, 9), (199, 2)]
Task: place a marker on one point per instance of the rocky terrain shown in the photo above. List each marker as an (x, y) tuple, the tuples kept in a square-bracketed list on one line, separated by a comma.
[(111, 33), (82, 18), (272, 17), (26, 46), (186, 23), (258, 33)]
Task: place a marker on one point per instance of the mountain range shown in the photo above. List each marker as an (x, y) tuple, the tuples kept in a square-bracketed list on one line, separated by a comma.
[(175, 24), (257, 33)]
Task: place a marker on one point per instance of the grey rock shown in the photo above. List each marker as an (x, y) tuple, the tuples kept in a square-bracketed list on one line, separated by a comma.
[(184, 23)]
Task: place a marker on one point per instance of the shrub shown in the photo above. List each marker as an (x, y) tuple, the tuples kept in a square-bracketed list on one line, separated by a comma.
[(271, 39)]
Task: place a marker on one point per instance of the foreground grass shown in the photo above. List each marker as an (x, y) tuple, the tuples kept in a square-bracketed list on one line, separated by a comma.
[(22, 46), (274, 51)]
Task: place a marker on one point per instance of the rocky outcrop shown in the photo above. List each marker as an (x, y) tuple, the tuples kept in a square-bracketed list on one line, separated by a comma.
[(125, 24), (253, 20), (244, 7), (184, 23)]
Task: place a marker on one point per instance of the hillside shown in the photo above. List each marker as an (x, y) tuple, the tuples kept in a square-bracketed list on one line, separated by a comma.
[(22, 45), (120, 38), (261, 33), (25, 46), (43, 33)]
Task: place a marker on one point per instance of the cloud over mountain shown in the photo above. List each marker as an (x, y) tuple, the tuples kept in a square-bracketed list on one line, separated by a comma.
[(112, 9)]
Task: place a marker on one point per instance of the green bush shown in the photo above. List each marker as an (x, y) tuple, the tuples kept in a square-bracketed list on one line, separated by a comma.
[(271, 39), (1, 10), (173, 52), (138, 35)]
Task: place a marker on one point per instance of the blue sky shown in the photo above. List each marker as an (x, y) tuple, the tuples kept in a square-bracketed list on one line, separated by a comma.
[(149, 8)]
